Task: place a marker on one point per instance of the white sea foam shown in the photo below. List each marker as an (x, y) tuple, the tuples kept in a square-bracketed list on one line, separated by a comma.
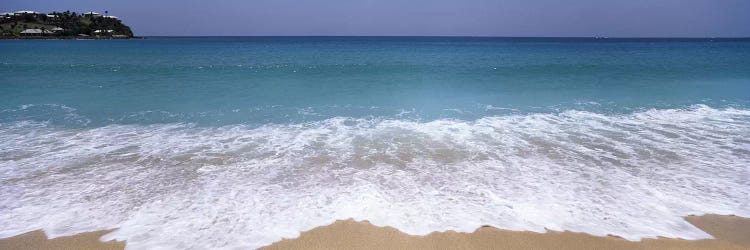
[(178, 186)]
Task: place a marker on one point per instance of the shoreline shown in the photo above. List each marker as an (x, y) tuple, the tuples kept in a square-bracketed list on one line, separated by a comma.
[(729, 232)]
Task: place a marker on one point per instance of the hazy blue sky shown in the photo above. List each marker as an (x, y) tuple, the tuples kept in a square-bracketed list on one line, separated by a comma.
[(628, 18)]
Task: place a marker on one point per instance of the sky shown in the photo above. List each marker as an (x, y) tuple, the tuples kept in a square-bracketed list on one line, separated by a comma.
[(546, 18)]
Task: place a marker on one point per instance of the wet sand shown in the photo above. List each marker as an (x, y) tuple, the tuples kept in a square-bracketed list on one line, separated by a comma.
[(731, 232), (37, 240)]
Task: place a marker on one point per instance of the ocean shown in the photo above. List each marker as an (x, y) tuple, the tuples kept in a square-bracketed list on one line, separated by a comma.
[(238, 142)]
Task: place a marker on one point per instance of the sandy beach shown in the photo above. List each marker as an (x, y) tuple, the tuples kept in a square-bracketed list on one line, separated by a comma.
[(38, 240), (731, 232)]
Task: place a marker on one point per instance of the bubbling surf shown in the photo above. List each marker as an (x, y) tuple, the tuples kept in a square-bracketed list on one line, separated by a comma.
[(186, 186)]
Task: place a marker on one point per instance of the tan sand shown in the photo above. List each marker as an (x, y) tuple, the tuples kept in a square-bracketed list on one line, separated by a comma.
[(732, 232), (37, 240), (730, 228)]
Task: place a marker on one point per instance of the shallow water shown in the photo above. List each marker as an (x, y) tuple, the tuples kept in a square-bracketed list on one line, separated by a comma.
[(237, 142)]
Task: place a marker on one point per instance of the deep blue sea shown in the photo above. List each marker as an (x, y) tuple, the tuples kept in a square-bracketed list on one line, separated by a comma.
[(260, 80), (239, 141)]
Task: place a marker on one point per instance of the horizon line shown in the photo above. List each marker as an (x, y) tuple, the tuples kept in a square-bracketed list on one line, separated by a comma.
[(465, 36)]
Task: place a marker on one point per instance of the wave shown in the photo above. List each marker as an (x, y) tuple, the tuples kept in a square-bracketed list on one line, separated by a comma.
[(168, 185)]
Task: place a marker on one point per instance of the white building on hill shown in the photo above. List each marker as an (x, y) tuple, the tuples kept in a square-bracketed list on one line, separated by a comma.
[(31, 32), (35, 32)]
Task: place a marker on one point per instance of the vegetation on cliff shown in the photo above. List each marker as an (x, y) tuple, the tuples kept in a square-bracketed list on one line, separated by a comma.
[(61, 25)]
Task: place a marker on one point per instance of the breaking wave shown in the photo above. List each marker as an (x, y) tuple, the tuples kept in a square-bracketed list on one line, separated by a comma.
[(185, 186)]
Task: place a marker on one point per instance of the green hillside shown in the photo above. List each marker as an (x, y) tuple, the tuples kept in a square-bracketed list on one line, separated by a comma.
[(62, 25)]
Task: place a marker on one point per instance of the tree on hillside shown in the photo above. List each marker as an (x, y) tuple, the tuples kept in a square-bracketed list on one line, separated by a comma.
[(29, 18)]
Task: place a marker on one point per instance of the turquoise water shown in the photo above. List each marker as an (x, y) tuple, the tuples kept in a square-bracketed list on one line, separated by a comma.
[(247, 80), (238, 142)]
